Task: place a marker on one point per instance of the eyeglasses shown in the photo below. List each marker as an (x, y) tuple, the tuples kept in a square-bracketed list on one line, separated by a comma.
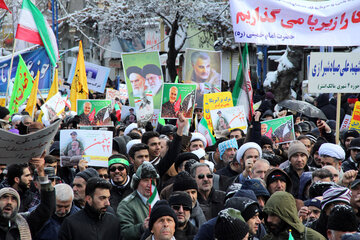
[(177, 207), (104, 175), (120, 168), (201, 176)]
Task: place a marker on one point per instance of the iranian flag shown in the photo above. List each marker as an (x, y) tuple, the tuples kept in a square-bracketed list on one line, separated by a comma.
[(154, 197), (34, 28), (241, 95), (204, 130)]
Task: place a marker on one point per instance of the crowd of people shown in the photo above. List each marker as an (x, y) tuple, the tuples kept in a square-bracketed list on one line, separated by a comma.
[(245, 186)]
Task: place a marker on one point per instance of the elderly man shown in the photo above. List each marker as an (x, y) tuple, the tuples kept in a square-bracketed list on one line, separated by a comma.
[(162, 222), (247, 155), (93, 222), (181, 203), (168, 108), (137, 80), (153, 77), (119, 178), (298, 157), (211, 200), (281, 219), (227, 151), (331, 154), (18, 226), (64, 209), (134, 209), (79, 185)]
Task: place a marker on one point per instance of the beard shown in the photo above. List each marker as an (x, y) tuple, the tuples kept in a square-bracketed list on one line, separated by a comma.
[(23, 186), (8, 216), (276, 229)]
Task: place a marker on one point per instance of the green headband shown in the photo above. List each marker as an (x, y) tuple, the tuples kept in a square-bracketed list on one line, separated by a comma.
[(118, 160)]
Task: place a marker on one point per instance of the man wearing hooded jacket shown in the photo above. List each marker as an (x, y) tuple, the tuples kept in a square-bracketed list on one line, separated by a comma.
[(282, 219)]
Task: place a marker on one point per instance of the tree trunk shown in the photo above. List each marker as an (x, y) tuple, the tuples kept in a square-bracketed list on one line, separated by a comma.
[(173, 52)]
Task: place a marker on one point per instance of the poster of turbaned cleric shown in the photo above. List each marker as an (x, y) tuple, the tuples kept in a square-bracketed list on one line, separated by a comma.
[(203, 68), (94, 146), (178, 97), (143, 77), (280, 130), (94, 112), (225, 119)]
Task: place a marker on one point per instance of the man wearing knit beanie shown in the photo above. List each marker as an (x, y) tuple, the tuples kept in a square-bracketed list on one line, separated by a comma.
[(180, 202), (250, 210), (79, 185), (229, 227), (184, 182), (119, 178), (163, 222), (298, 157), (342, 220)]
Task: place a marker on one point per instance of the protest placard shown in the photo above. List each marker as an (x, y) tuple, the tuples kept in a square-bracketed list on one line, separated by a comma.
[(17, 148), (331, 72), (144, 109), (284, 22), (177, 98), (95, 146), (355, 119), (94, 112), (279, 130), (346, 122), (53, 107), (143, 76), (123, 93), (216, 101), (125, 112), (203, 68), (226, 119), (96, 75)]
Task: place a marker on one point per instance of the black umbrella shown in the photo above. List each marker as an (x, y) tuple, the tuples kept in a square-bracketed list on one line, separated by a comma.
[(304, 108)]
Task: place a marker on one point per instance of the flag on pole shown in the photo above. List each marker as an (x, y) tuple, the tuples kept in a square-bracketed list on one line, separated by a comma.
[(204, 130), (79, 87), (240, 95), (154, 195), (31, 103), (22, 86), (54, 89), (3, 5), (34, 28)]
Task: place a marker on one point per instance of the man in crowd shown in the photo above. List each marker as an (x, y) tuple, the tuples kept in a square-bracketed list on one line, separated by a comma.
[(342, 220), (351, 163), (119, 179), (250, 211), (79, 185), (227, 151), (134, 209), (138, 154), (162, 222), (181, 203), (282, 219), (277, 180), (211, 200), (64, 208), (93, 222), (247, 155), (197, 141)]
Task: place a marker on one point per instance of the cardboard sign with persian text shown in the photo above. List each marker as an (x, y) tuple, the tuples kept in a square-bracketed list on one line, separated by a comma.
[(17, 148)]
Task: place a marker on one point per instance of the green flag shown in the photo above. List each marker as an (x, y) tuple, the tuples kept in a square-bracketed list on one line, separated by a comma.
[(22, 86)]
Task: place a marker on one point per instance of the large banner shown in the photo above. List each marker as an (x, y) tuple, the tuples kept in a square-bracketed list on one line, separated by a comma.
[(95, 146), (216, 101), (143, 77), (203, 68), (96, 75), (35, 60), (17, 148), (331, 72), (292, 22)]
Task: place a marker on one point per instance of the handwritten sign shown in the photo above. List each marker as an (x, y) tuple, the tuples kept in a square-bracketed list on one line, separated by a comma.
[(95, 146), (96, 75), (289, 22), (355, 119), (21, 148), (216, 101), (280, 130), (227, 119), (346, 122), (331, 72)]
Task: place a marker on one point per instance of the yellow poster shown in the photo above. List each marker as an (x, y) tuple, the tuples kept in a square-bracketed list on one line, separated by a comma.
[(216, 101), (355, 119)]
